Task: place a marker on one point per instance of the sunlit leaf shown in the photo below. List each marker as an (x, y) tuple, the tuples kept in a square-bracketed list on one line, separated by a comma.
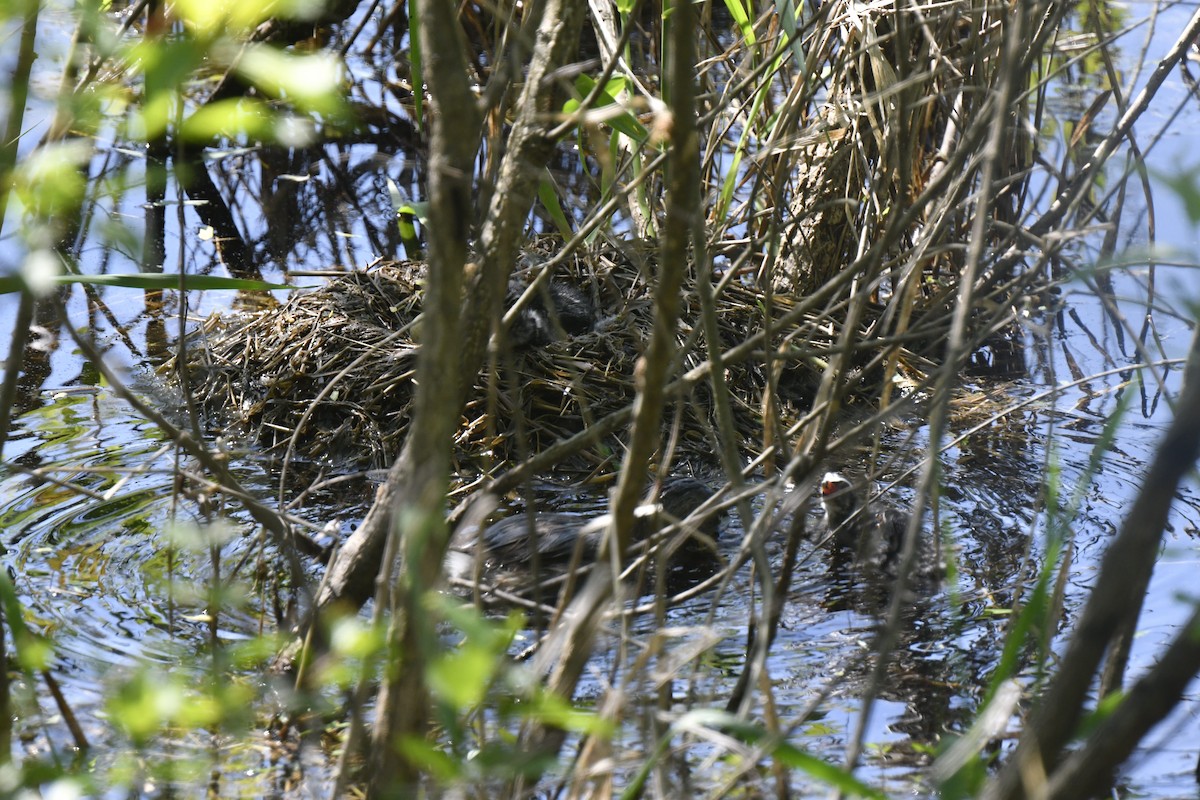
[(41, 271), (961, 760), (551, 709), (354, 638), (214, 17), (200, 538), (313, 81), (230, 118), (789, 21), (51, 181), (152, 118), (143, 704), (462, 677), (167, 64), (395, 195)]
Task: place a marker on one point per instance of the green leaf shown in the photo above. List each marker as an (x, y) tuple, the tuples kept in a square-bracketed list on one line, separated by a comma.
[(741, 17), (414, 64), (230, 118), (150, 280), (784, 752), (312, 82), (622, 122), (352, 637), (1186, 185), (211, 18), (406, 213), (50, 182), (462, 677), (142, 704), (549, 197), (430, 758), (553, 710), (34, 652)]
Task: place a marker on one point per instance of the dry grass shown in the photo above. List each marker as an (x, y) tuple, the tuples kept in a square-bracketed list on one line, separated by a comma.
[(327, 375)]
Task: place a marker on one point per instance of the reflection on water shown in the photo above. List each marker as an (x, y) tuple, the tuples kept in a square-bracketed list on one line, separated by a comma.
[(90, 548), (93, 569), (99, 548)]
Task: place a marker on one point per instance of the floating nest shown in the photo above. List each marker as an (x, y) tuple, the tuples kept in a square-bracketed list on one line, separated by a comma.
[(326, 377)]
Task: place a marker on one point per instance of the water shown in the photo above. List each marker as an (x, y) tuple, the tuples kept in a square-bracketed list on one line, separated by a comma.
[(94, 574)]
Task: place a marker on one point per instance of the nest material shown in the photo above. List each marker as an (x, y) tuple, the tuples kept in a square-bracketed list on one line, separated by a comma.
[(332, 364), (329, 373)]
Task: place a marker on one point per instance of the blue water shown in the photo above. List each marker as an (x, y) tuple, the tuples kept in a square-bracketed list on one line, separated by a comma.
[(95, 574)]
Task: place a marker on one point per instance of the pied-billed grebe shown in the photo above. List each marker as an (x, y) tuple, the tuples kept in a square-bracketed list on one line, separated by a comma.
[(508, 546), (873, 532)]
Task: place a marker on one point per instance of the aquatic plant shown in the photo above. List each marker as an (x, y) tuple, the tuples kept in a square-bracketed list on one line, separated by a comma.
[(811, 235)]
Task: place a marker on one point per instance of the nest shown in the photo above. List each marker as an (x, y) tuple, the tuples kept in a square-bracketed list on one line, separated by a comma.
[(327, 376), (333, 366)]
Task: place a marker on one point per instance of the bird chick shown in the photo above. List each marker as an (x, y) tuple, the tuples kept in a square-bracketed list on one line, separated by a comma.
[(874, 532)]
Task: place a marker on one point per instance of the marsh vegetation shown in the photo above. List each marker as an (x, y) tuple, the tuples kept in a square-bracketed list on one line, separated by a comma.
[(245, 412)]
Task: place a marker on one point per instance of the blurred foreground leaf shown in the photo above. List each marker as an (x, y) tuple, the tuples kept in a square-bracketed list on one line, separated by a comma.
[(150, 280)]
